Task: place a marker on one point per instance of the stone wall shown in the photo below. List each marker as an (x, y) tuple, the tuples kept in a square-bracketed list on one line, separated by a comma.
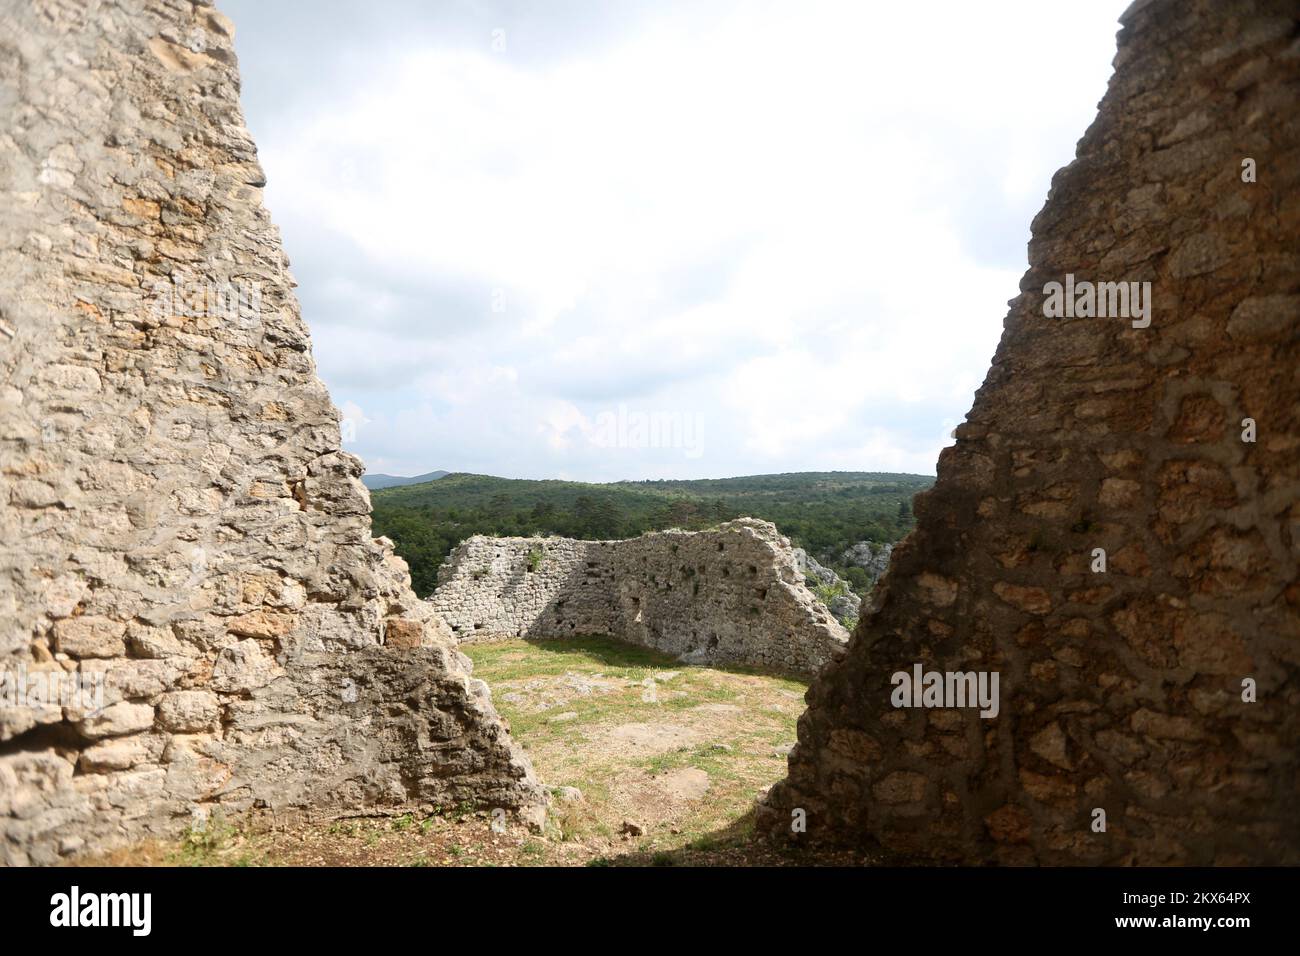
[(177, 514), (730, 596), (1125, 690)]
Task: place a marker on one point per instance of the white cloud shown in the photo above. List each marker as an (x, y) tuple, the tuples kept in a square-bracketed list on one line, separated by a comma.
[(789, 219)]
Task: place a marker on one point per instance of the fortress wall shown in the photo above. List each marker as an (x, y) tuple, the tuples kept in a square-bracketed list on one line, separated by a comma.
[(730, 596)]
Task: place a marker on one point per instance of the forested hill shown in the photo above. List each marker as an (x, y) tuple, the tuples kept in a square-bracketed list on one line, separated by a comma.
[(823, 512)]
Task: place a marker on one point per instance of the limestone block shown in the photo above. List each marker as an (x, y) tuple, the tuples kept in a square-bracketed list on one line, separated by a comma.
[(188, 711), (89, 637), (117, 719)]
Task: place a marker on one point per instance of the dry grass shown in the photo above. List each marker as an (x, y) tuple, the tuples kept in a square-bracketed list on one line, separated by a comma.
[(678, 752)]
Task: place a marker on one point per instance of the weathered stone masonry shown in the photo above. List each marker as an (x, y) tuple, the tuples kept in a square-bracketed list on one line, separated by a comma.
[(177, 512), (1121, 690), (730, 596)]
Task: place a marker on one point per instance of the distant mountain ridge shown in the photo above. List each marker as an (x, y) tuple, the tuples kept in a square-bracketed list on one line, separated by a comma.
[(374, 482)]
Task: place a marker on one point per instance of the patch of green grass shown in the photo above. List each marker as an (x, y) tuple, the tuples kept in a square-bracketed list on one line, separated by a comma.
[(606, 652), (696, 693), (716, 763), (584, 654), (711, 841), (734, 745), (500, 663), (212, 845)]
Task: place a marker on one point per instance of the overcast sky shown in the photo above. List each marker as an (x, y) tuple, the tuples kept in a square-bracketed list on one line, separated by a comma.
[(618, 239)]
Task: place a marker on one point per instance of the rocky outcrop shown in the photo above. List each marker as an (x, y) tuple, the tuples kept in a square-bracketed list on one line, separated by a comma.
[(870, 557), (187, 571), (836, 593), (730, 596), (1116, 531)]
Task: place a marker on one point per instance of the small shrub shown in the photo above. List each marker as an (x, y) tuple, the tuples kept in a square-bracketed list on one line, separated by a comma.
[(201, 845), (828, 592)]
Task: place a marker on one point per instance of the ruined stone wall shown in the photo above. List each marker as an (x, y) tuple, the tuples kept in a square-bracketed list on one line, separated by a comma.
[(1121, 690), (730, 596), (177, 514)]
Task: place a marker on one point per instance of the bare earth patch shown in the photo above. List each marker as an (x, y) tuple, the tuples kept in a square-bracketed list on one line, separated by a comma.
[(646, 740), (687, 784)]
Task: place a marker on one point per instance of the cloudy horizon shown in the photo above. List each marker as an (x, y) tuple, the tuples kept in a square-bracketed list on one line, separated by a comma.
[(663, 240)]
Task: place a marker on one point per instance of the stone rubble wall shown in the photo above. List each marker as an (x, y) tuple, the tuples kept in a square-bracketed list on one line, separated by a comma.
[(730, 596), (175, 510), (1121, 690)]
